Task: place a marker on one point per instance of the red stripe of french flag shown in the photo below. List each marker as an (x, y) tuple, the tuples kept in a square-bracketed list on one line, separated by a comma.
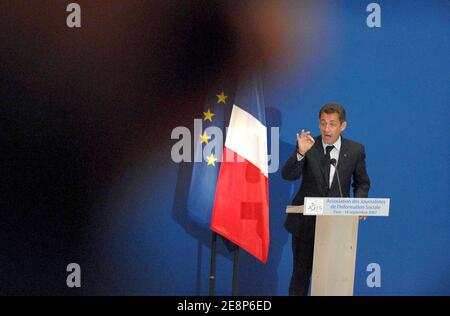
[(241, 205)]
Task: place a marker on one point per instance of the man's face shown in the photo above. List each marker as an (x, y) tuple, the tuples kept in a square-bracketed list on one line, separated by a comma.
[(331, 127)]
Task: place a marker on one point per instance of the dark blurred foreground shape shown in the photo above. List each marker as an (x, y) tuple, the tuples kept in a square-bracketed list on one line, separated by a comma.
[(80, 106)]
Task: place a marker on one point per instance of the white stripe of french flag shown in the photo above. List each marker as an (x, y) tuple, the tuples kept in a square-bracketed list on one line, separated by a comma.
[(241, 206)]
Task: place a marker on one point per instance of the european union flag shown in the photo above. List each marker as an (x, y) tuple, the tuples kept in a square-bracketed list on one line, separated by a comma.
[(208, 147)]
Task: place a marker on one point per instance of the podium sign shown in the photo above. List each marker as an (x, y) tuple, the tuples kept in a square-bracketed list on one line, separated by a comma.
[(346, 206)]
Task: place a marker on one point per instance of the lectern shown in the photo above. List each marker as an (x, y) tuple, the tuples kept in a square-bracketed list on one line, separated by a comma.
[(335, 240)]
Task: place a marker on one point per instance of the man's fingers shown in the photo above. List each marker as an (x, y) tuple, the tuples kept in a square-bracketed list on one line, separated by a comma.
[(311, 139), (305, 136)]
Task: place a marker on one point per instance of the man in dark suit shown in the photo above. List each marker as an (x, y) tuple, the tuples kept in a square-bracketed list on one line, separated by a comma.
[(312, 161)]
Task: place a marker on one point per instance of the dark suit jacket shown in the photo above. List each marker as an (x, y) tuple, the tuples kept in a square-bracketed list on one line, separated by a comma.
[(351, 164)]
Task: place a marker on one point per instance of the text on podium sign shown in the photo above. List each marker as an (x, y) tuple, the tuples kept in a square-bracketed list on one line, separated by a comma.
[(334, 206)]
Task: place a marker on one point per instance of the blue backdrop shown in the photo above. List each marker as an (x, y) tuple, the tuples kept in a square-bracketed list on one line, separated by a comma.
[(394, 83)]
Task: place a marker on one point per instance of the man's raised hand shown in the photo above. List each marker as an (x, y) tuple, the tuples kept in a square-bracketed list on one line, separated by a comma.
[(304, 142)]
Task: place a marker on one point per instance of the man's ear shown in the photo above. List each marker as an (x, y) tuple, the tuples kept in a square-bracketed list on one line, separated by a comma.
[(343, 126)]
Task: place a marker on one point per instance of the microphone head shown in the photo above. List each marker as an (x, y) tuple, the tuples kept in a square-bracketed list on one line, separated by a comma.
[(333, 162)]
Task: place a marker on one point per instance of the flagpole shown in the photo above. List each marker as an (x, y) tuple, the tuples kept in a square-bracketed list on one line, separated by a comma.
[(212, 274), (234, 285)]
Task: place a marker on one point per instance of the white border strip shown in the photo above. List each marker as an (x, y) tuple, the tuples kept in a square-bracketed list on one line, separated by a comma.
[(247, 137)]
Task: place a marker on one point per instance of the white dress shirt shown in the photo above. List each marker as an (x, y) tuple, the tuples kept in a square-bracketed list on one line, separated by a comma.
[(334, 153)]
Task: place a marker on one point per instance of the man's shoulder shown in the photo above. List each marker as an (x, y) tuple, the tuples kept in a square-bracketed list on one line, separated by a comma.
[(352, 144)]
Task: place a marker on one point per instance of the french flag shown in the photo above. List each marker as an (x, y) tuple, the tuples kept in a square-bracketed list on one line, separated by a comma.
[(241, 205)]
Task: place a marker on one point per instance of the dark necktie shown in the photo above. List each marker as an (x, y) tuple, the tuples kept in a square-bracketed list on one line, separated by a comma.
[(327, 163)]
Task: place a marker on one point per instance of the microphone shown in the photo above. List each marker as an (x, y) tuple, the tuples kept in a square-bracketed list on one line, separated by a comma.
[(334, 163)]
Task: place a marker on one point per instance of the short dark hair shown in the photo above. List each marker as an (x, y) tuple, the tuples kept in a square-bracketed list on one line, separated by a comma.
[(333, 108)]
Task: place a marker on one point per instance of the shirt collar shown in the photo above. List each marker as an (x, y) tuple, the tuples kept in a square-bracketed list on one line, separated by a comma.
[(337, 144)]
